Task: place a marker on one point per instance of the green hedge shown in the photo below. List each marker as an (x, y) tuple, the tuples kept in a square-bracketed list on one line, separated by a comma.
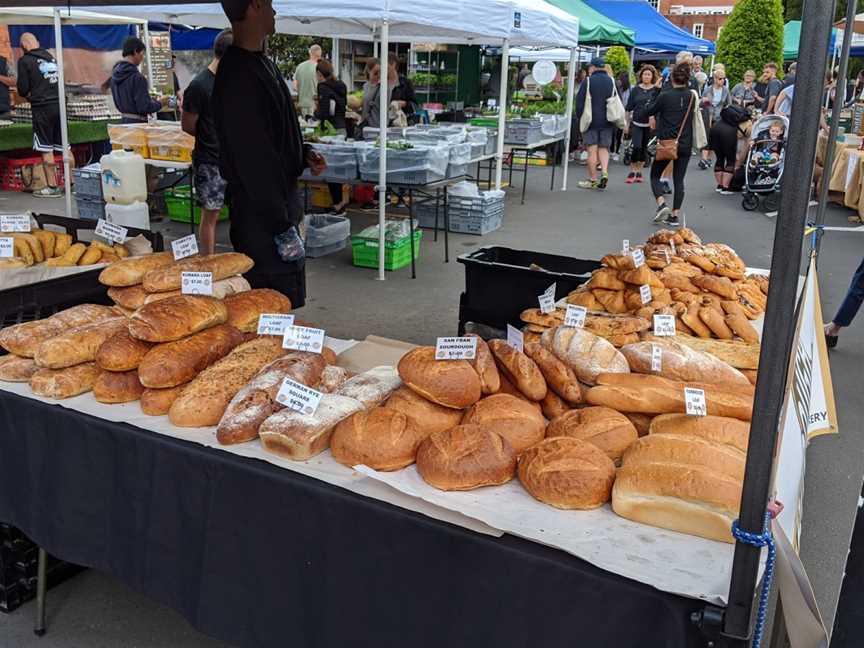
[(752, 37)]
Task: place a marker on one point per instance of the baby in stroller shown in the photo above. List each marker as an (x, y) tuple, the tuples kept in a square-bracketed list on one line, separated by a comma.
[(767, 147)]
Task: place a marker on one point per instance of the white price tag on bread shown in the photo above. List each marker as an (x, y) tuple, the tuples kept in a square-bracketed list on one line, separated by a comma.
[(110, 231), (575, 316), (694, 401), (15, 223), (515, 338), (645, 293), (7, 247), (625, 246), (184, 247), (664, 325), (303, 338), (638, 257), (196, 283), (456, 348), (672, 245), (298, 397), (274, 323), (547, 300), (656, 358)]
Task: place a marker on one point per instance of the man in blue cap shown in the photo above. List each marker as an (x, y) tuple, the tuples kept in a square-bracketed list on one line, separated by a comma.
[(598, 136)]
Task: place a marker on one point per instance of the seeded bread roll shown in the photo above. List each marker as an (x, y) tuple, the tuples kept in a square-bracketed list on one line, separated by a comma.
[(466, 457)]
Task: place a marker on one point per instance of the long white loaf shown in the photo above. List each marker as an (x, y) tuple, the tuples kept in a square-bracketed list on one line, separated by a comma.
[(371, 387)]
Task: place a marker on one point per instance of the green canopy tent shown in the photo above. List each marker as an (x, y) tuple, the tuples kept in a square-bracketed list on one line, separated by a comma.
[(594, 27), (792, 37)]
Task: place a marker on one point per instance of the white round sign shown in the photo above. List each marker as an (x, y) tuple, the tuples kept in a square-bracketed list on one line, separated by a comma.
[(544, 72)]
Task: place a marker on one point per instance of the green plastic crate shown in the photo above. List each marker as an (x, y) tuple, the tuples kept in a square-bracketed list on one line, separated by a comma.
[(177, 202), (486, 122), (397, 254)]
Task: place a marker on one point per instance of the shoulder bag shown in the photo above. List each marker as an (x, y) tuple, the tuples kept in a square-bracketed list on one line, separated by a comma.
[(585, 119), (667, 149), (615, 109)]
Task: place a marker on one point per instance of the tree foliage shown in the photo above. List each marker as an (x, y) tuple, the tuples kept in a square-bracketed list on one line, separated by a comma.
[(792, 9), (619, 60), (752, 37), (290, 51)]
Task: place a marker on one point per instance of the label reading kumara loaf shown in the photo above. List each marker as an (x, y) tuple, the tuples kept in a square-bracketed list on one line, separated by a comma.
[(196, 283)]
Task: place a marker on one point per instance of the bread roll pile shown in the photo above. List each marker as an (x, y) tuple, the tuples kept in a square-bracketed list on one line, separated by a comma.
[(57, 249)]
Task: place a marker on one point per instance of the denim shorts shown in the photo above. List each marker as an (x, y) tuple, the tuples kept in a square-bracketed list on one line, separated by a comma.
[(209, 186), (601, 137)]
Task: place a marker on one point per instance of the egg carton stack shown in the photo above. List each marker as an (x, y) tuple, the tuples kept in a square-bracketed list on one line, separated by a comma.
[(22, 114), (90, 108)]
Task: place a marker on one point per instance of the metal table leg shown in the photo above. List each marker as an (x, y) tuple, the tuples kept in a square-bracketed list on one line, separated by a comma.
[(525, 176), (41, 585), (512, 157), (554, 155), (435, 233), (446, 228), (191, 201), (411, 231)]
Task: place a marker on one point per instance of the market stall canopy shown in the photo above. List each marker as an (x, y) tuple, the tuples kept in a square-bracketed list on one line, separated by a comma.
[(594, 27), (653, 31), (556, 54), (792, 38), (45, 16)]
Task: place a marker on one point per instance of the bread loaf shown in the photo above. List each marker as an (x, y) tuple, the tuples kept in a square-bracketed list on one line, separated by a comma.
[(299, 437), (131, 297), (466, 457), (131, 271), (17, 369), (686, 450), (521, 370), (721, 286), (484, 365), (680, 362), (606, 279), (553, 405), (381, 438), (608, 325), (245, 308), (176, 317), (221, 289), (451, 383), (220, 266), (257, 400), (205, 398), (585, 353), (742, 327), (121, 352), (77, 345), (735, 353), (332, 378), (642, 422), (567, 473), (64, 383), (371, 387), (174, 363), (428, 417), (24, 339), (603, 427), (117, 387), (514, 419), (157, 402), (559, 377), (720, 430)]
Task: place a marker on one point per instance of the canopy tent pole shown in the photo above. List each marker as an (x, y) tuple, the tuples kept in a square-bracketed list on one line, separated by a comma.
[(334, 57), (61, 97), (571, 85), (383, 106), (147, 55), (502, 110)]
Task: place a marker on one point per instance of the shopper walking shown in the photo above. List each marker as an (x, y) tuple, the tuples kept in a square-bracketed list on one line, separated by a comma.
[(676, 112), (848, 309), (261, 152), (744, 93), (622, 85), (37, 82), (596, 132), (332, 100), (639, 124), (306, 81), (715, 98)]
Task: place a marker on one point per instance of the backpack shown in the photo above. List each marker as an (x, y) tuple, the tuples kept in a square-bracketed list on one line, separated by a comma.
[(734, 115)]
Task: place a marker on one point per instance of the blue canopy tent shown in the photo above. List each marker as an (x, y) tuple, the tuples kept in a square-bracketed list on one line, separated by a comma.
[(653, 32)]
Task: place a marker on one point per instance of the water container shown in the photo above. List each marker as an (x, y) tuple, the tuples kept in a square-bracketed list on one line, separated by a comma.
[(135, 215), (124, 180)]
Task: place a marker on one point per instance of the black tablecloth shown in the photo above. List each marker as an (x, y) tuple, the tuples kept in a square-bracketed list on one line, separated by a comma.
[(261, 556)]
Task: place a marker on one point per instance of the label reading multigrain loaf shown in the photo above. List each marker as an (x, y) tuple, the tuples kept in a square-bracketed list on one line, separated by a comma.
[(638, 257), (645, 293), (7, 247), (575, 316), (303, 338), (547, 300), (110, 231), (14, 223), (274, 323), (515, 338), (196, 283), (298, 397), (664, 325), (184, 247), (456, 348), (656, 358), (694, 401)]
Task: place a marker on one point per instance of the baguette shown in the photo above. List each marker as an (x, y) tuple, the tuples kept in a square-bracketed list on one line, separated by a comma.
[(77, 345), (64, 383), (741, 355), (220, 266), (680, 362), (24, 339), (484, 365), (131, 271), (121, 352), (176, 317)]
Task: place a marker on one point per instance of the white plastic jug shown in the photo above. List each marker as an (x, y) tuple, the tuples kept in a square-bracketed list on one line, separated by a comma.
[(124, 180), (135, 215)]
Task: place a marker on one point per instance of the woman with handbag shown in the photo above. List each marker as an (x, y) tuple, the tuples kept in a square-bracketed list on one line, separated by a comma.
[(592, 106)]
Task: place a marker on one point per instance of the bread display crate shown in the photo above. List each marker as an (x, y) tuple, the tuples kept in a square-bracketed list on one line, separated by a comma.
[(177, 202), (523, 131), (341, 160), (88, 181), (90, 208), (326, 234), (466, 215), (456, 170), (416, 165), (397, 254)]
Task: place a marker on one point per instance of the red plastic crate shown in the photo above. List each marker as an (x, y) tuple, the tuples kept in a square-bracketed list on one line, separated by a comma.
[(11, 178)]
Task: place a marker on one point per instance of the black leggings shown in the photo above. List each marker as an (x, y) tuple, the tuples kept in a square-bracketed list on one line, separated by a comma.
[(679, 168), (617, 136), (335, 192), (640, 136), (726, 150)]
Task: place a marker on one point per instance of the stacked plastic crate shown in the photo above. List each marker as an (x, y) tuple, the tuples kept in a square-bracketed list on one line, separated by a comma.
[(88, 191)]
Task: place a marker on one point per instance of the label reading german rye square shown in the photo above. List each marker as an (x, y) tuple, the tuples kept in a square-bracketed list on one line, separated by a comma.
[(196, 283), (15, 223), (694, 401), (7, 247), (456, 348), (274, 323), (638, 257), (656, 358), (645, 293), (184, 247), (664, 325), (547, 300), (515, 338), (575, 316), (298, 397), (303, 338), (110, 231)]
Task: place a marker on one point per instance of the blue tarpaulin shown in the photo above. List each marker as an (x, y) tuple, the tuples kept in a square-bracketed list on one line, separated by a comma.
[(653, 31), (90, 37), (185, 38)]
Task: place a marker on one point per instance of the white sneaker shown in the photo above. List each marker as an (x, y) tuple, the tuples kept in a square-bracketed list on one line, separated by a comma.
[(616, 157)]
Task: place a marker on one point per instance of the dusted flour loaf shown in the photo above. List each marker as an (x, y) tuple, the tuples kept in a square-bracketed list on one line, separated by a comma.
[(371, 387), (220, 265), (588, 355), (79, 344), (680, 362), (332, 378), (176, 317), (16, 369), (24, 339), (245, 308), (64, 383), (122, 352), (131, 271)]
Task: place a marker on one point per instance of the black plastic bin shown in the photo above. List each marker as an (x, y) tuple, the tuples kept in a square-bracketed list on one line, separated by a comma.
[(501, 282)]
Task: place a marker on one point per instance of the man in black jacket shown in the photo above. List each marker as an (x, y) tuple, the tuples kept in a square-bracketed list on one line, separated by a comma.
[(6, 81), (37, 82), (129, 87), (261, 150), (598, 135)]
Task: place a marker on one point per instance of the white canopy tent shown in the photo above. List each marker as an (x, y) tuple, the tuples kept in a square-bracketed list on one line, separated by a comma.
[(554, 54), (58, 17)]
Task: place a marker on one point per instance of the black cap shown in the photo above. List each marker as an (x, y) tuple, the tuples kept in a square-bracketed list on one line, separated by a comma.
[(598, 61)]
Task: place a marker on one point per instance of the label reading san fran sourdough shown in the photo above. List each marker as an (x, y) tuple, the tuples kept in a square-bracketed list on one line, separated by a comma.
[(196, 283), (664, 325), (547, 300), (274, 323), (638, 257), (110, 231), (575, 316), (456, 348), (656, 358), (645, 293), (7, 247), (515, 338), (303, 338), (694, 401), (298, 397), (184, 247)]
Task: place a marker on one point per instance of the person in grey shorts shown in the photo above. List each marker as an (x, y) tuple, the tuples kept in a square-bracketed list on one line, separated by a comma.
[(598, 137)]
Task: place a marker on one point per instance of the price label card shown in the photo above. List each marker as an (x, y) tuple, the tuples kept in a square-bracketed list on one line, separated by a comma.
[(184, 247), (645, 293), (303, 338), (196, 283), (656, 358), (7, 247), (515, 338), (274, 323), (672, 245), (694, 401), (15, 223), (638, 257), (110, 231), (575, 316), (298, 397), (547, 300), (668, 258), (625, 246), (456, 348), (664, 325)]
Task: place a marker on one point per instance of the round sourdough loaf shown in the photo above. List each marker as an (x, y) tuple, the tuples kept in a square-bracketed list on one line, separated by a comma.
[(451, 383), (466, 457), (567, 473), (427, 416), (603, 427), (513, 418), (381, 438)]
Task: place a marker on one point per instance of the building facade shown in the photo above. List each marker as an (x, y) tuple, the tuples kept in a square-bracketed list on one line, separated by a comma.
[(702, 18)]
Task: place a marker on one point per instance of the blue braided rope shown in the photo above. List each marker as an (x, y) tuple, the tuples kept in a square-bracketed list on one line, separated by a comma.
[(763, 539)]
